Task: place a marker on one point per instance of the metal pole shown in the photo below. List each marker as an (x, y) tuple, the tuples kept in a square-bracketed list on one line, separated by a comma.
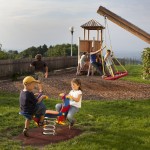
[(71, 30), (71, 41)]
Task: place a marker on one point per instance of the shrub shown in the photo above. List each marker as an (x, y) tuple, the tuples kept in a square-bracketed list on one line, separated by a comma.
[(146, 63)]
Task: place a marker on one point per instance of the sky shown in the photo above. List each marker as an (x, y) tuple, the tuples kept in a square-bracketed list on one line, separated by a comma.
[(26, 23)]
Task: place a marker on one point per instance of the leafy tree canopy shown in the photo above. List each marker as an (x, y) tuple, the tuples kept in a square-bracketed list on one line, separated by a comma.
[(62, 50), (3, 55), (57, 50)]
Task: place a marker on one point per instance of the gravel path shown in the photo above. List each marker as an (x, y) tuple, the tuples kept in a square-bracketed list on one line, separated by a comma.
[(94, 88)]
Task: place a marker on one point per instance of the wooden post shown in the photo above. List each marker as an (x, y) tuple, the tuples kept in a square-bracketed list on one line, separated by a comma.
[(124, 24), (84, 34), (88, 34), (97, 35), (101, 36), (93, 43)]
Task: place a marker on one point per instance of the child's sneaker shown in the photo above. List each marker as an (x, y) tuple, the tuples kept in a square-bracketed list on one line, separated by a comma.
[(71, 124), (41, 124), (25, 132)]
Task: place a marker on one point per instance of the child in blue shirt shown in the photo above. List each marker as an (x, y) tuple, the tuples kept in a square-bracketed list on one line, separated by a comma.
[(29, 104)]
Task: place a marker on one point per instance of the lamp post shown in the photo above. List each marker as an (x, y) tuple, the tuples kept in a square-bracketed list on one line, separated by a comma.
[(71, 30)]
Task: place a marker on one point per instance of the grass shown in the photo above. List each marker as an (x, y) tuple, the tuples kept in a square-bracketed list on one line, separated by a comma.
[(134, 74), (118, 125), (106, 125)]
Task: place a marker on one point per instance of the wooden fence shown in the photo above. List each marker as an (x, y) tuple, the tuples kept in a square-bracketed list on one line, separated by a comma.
[(9, 68)]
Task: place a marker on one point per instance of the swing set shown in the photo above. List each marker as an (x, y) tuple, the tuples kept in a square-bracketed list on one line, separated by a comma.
[(86, 45), (115, 73), (143, 35)]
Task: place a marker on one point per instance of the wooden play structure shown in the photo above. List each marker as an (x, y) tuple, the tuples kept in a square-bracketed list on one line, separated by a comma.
[(87, 43), (127, 26)]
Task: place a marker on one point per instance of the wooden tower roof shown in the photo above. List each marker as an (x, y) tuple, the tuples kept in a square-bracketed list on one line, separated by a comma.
[(92, 25)]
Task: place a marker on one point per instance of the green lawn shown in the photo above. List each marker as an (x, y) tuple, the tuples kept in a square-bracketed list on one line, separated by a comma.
[(105, 124), (134, 74)]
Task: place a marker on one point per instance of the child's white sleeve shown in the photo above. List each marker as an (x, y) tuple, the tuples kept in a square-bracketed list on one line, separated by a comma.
[(70, 92), (79, 92)]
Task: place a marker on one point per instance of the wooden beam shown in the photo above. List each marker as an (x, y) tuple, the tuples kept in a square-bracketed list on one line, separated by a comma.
[(124, 24)]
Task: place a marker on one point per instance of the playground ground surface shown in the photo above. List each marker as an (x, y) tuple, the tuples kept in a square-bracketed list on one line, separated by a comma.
[(94, 88), (36, 138)]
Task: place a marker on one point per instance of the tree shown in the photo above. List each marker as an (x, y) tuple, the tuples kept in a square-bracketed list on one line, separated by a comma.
[(57, 50), (12, 54), (3, 55), (45, 49), (62, 50), (30, 52)]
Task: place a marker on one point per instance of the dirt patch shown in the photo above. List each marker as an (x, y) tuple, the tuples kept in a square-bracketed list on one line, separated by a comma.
[(36, 138), (94, 88)]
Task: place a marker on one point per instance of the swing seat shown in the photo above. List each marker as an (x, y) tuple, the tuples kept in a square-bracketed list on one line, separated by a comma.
[(116, 76)]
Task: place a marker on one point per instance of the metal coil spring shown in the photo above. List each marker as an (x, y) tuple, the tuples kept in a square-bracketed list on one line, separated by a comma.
[(50, 126)]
